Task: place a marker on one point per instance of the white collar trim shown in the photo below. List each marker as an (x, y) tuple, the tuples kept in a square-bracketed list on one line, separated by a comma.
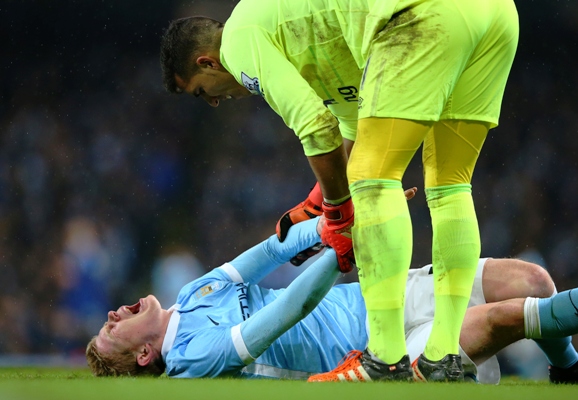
[(171, 333)]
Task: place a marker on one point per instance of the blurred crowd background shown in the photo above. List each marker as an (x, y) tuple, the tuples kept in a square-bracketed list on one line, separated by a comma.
[(110, 188)]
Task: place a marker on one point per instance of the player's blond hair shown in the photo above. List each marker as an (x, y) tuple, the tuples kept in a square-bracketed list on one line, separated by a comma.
[(122, 363)]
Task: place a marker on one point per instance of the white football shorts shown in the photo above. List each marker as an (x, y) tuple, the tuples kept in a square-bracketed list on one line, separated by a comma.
[(419, 314)]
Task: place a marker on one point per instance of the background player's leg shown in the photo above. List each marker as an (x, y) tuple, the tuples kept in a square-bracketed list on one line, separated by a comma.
[(450, 153), (382, 234)]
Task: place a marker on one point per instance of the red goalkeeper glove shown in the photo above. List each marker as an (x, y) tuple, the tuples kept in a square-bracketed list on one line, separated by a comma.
[(337, 232), (307, 209)]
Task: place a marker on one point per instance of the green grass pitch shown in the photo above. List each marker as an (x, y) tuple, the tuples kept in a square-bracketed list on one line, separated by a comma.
[(64, 384)]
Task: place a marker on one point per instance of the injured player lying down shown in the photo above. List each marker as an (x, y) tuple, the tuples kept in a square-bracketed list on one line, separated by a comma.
[(224, 324)]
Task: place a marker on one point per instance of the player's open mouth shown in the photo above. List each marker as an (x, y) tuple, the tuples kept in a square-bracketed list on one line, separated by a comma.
[(135, 308)]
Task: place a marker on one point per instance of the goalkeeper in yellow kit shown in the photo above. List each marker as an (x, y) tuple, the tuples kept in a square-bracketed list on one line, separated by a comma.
[(388, 75)]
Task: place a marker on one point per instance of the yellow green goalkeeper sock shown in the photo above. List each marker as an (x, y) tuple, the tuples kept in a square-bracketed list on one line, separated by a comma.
[(455, 255), (382, 240)]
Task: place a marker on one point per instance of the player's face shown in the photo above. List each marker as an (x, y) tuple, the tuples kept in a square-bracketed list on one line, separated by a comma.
[(131, 326), (213, 85)]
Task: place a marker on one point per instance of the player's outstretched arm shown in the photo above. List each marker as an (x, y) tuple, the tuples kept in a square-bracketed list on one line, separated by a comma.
[(294, 304), (260, 260)]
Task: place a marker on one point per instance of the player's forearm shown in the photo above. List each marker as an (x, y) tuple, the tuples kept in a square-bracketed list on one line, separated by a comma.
[(254, 264), (330, 169), (294, 304)]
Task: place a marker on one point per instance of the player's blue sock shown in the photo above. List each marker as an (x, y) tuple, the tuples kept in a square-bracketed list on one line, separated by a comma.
[(559, 352), (558, 321), (559, 314)]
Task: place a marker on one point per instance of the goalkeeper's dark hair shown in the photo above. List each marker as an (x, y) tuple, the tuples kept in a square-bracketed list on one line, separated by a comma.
[(184, 39)]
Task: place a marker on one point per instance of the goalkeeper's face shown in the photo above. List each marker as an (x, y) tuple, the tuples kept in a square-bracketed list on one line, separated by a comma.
[(213, 83), (132, 326)]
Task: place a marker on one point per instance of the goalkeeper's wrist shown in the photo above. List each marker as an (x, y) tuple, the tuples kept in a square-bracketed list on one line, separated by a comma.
[(337, 201)]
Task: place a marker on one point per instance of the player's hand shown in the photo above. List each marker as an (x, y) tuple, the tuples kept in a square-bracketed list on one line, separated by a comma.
[(307, 209), (410, 193), (337, 232)]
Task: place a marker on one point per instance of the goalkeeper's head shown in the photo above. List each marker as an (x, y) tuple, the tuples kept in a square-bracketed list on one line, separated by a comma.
[(191, 63), (130, 341)]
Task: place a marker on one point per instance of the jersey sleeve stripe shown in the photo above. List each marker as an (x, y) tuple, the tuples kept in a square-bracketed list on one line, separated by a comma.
[(240, 346), (232, 272)]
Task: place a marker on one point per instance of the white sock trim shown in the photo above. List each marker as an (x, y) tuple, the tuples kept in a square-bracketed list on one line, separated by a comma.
[(532, 327)]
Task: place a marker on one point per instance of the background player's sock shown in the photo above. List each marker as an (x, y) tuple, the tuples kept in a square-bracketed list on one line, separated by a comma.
[(382, 240), (455, 255)]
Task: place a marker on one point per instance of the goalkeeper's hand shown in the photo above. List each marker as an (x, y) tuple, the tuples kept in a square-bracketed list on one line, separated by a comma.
[(311, 208), (336, 232), (307, 209)]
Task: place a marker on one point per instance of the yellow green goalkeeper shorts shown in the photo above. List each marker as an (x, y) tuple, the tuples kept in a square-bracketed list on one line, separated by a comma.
[(441, 59)]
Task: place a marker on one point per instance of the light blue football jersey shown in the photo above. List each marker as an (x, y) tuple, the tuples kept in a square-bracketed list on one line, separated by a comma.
[(203, 337)]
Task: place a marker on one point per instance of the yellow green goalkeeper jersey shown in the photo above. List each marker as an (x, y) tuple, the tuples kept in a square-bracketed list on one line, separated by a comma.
[(306, 59)]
